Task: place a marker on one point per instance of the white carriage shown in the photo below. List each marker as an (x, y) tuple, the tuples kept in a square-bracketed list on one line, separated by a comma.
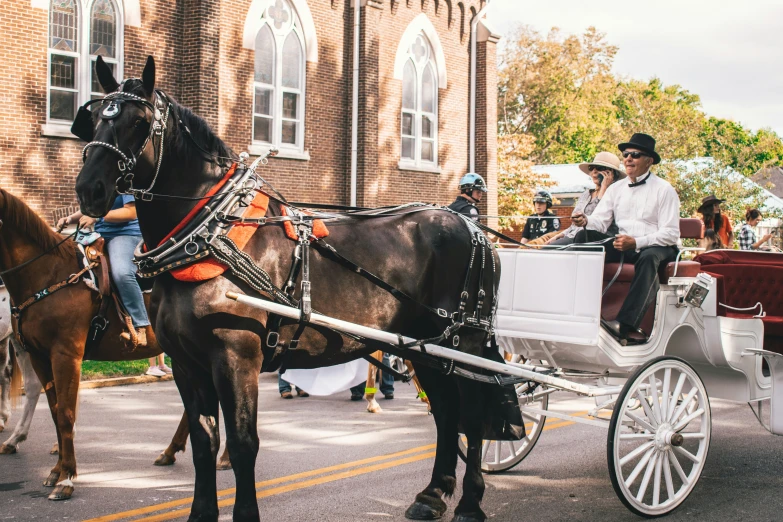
[(657, 392), (706, 339)]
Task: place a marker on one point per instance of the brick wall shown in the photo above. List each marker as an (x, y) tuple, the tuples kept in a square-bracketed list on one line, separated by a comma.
[(197, 45)]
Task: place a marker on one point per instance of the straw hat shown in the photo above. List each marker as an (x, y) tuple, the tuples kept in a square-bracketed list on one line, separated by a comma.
[(604, 159)]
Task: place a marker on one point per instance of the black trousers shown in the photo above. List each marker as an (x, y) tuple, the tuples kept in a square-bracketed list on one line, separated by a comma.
[(645, 284)]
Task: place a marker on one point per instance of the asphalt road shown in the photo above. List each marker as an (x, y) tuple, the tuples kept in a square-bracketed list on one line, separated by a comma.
[(326, 459)]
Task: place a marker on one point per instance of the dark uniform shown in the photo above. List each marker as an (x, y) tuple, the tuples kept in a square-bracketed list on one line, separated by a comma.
[(537, 226), (465, 207)]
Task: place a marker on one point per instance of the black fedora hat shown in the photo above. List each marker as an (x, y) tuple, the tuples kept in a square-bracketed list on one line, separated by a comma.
[(644, 143), (709, 201)]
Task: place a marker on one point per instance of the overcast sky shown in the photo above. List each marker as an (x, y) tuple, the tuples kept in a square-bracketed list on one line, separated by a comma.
[(729, 53)]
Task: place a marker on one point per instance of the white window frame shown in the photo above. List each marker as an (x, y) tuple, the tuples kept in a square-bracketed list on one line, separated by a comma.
[(289, 150), (84, 61), (417, 163)]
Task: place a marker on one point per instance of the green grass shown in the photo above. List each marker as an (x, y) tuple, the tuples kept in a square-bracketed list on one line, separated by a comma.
[(92, 370)]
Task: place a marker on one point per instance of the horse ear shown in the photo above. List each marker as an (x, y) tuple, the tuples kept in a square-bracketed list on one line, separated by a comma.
[(148, 76), (105, 76)]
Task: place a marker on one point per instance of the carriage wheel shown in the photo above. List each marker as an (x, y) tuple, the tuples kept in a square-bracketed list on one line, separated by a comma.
[(659, 436), (498, 456)]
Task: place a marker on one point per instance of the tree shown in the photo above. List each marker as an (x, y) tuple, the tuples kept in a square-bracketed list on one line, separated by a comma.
[(740, 148), (516, 181)]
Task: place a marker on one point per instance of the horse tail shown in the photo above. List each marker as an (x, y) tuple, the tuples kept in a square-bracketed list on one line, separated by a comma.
[(16, 375)]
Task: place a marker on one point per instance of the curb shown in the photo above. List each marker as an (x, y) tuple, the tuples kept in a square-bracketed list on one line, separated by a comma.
[(123, 381)]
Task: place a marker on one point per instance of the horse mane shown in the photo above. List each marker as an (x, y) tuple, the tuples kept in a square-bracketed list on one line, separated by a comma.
[(17, 214), (200, 130)]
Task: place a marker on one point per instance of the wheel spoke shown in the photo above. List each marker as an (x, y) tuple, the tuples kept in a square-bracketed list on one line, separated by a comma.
[(684, 404), (637, 436), (484, 450), (643, 423), (676, 394), (638, 469), (687, 454), (678, 468), (532, 418), (635, 453), (667, 375), (684, 422), (657, 481), (497, 452), (667, 474), (647, 410), (646, 479), (656, 404)]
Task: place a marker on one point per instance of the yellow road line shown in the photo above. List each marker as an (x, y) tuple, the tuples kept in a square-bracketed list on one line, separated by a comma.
[(262, 484), (550, 425), (299, 485)]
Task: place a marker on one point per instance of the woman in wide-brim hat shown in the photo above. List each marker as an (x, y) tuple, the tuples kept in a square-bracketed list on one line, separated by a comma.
[(717, 227), (604, 170)]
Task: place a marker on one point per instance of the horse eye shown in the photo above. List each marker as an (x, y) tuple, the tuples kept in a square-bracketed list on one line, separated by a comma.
[(138, 122)]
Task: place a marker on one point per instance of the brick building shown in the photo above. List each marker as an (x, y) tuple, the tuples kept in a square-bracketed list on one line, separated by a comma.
[(262, 72)]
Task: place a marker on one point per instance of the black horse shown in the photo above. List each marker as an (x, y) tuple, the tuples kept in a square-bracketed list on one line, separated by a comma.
[(217, 345)]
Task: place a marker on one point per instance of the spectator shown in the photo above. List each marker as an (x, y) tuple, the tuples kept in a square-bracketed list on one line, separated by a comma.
[(160, 369), (542, 225), (747, 237), (713, 219), (603, 171), (285, 389), (387, 384)]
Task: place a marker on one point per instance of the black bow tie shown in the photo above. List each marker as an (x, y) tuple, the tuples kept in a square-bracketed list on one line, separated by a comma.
[(642, 182)]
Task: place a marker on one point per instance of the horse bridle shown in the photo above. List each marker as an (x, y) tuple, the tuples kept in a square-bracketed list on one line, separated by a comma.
[(127, 163)]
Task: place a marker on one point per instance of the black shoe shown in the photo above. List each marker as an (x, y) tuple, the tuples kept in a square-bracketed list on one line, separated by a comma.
[(389, 396), (356, 397), (617, 329)]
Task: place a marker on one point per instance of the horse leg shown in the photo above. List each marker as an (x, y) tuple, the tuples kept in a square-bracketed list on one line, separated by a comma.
[(32, 391), (201, 406), (5, 381), (369, 388), (178, 443), (224, 462), (238, 391), (420, 393), (43, 369), (472, 396), (445, 403), (66, 378)]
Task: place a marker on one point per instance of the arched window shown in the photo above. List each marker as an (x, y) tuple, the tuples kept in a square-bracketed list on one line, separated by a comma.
[(279, 79), (79, 32), (419, 125)]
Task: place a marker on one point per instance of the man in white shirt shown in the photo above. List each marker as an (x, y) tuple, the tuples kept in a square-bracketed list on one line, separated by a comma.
[(646, 209)]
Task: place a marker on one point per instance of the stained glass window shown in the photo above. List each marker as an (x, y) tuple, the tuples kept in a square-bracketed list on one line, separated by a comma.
[(279, 78), (419, 116)]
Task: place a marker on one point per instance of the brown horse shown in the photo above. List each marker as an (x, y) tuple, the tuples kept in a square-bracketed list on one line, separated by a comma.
[(54, 329), (218, 345)]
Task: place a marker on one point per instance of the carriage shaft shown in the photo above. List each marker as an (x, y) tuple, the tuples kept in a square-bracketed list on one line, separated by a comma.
[(431, 349)]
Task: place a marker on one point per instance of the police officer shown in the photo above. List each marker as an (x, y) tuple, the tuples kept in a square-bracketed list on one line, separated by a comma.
[(471, 188), (543, 222)]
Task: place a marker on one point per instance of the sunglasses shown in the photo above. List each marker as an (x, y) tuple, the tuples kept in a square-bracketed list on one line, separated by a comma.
[(597, 168), (635, 154)]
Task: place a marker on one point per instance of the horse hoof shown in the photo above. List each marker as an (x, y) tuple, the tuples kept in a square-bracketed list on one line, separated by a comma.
[(374, 408), (55, 449), (62, 492), (52, 480), (223, 465), (7, 450), (421, 511), (165, 460)]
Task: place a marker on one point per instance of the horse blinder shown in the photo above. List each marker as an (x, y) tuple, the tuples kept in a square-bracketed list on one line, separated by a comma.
[(82, 124)]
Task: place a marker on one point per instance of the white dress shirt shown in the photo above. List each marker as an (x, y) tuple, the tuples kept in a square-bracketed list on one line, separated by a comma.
[(649, 213)]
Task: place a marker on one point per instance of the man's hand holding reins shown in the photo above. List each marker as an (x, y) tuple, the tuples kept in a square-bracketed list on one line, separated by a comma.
[(623, 243), (579, 219)]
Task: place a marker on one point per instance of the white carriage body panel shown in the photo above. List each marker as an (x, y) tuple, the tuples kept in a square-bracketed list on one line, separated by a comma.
[(551, 296)]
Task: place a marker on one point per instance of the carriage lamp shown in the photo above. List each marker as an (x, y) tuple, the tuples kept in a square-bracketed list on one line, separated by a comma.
[(698, 291)]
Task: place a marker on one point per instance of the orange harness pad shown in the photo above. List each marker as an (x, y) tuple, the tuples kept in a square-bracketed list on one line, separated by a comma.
[(240, 234)]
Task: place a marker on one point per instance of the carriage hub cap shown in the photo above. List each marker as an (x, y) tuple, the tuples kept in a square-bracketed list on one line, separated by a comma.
[(665, 437)]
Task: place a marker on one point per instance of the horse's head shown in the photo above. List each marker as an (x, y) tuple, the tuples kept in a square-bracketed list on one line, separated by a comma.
[(123, 131)]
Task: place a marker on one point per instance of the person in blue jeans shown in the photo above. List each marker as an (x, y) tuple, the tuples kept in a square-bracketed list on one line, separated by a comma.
[(120, 228), (387, 384), (285, 389)]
